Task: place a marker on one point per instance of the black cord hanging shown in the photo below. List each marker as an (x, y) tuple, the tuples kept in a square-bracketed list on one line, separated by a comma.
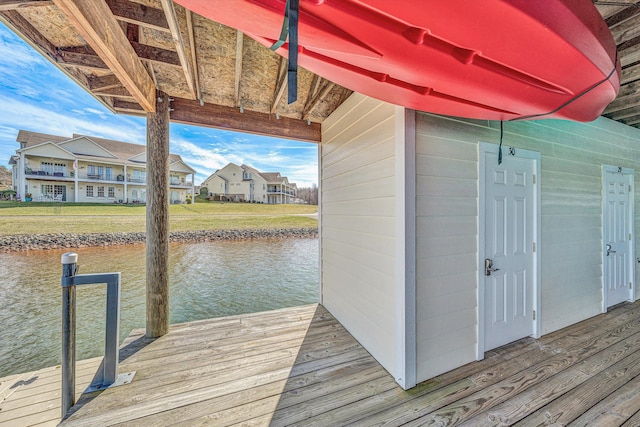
[(292, 70), (500, 146), (290, 28)]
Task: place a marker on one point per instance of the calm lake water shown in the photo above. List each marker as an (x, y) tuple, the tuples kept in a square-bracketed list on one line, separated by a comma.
[(211, 279)]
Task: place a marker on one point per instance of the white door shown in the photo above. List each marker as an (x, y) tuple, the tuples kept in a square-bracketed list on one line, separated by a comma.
[(617, 221), (508, 270)]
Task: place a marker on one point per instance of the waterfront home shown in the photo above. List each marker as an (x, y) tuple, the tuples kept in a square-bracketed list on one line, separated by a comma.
[(246, 184), (89, 169)]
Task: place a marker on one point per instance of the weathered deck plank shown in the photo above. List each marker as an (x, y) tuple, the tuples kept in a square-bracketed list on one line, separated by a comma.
[(299, 366), (33, 398)]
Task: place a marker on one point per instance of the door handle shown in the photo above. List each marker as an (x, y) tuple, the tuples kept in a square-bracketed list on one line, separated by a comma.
[(488, 267), (609, 251)]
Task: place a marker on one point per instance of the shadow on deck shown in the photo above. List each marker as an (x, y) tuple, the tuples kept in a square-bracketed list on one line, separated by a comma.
[(300, 366)]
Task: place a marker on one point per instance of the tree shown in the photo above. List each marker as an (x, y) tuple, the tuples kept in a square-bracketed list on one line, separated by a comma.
[(309, 194)]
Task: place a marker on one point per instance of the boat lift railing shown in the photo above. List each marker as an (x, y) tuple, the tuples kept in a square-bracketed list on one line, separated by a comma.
[(107, 375)]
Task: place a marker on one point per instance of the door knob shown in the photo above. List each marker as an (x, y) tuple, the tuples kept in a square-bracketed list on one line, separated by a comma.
[(488, 267), (609, 251)]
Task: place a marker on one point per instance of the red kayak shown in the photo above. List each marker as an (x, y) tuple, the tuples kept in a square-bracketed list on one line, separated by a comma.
[(484, 59)]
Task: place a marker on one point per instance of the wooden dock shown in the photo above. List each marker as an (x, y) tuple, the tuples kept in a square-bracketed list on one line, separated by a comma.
[(300, 366), (33, 398)]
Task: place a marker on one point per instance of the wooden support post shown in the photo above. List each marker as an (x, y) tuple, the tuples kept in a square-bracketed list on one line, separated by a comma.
[(158, 218)]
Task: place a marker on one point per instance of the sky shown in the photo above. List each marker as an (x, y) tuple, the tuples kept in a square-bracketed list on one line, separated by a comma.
[(36, 96)]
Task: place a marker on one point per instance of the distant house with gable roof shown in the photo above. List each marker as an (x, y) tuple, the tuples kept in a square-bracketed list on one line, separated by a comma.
[(246, 184)]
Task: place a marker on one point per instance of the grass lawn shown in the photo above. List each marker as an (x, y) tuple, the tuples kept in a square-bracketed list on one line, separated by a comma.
[(35, 217)]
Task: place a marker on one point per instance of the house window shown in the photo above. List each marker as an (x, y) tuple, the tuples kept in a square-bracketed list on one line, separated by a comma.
[(108, 171), (264, 186), (134, 194), (89, 191), (91, 169), (100, 191), (111, 192)]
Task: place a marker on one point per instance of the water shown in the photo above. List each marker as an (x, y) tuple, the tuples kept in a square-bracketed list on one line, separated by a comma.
[(211, 279)]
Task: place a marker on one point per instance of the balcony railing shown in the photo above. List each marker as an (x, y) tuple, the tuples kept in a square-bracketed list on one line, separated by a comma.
[(48, 174), (180, 182)]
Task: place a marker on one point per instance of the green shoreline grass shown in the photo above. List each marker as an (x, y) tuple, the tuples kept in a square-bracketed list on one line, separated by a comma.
[(49, 218)]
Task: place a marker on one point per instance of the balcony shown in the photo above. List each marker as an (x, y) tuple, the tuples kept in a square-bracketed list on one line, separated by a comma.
[(98, 177), (136, 180), (41, 174), (180, 183)]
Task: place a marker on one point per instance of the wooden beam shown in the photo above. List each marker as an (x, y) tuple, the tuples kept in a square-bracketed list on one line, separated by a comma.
[(281, 85), (76, 58), (622, 16), (127, 107), (19, 4), (139, 14), (103, 82), (176, 34), (630, 73), (633, 110), (28, 32), (311, 103), (158, 218), (97, 25), (622, 104), (222, 117), (238, 75), (116, 92), (194, 56), (156, 54)]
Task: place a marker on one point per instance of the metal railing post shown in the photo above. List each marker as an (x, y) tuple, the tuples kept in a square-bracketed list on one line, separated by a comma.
[(69, 269), (107, 374)]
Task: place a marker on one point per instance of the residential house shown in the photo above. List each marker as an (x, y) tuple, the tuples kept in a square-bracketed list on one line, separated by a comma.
[(89, 169), (246, 184)]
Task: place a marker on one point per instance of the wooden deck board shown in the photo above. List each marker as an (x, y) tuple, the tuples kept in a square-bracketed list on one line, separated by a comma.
[(299, 366), (33, 398)]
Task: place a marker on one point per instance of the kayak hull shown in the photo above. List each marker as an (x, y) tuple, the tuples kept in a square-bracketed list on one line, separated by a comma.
[(489, 59)]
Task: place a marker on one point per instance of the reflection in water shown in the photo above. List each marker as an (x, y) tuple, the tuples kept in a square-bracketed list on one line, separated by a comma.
[(211, 279)]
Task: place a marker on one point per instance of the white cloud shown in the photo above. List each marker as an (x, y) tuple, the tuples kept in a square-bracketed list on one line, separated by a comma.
[(22, 115)]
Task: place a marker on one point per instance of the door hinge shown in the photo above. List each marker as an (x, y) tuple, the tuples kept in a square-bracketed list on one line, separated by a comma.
[(534, 246), (534, 179), (630, 285), (629, 188), (629, 236), (534, 315)]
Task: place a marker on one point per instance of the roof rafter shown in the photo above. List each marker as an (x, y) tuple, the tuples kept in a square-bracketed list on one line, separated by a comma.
[(238, 70), (176, 34), (95, 22), (281, 84), (322, 91), (19, 4), (194, 57), (136, 13)]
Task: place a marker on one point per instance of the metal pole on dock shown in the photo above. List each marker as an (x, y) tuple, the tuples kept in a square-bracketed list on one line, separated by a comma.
[(69, 269)]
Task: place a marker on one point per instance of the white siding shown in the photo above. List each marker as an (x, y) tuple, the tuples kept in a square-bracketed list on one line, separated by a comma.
[(447, 230), (358, 242)]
